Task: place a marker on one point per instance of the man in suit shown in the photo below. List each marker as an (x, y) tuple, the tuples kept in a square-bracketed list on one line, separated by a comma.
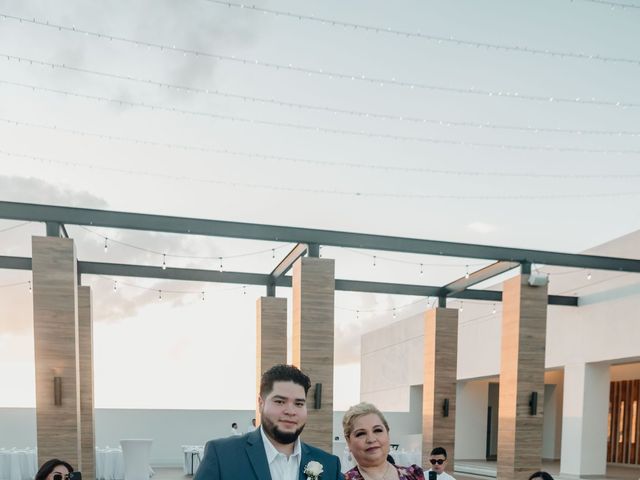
[(273, 451)]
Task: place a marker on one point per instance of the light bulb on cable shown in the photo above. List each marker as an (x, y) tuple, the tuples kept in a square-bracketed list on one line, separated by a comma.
[(202, 295), (220, 263), (164, 261), (244, 289), (461, 309), (115, 285), (421, 269), (159, 294), (466, 273), (589, 276), (494, 309), (106, 247), (30, 288), (374, 260), (394, 312)]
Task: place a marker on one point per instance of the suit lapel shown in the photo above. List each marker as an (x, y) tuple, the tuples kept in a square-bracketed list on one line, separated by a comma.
[(257, 457), (304, 459)]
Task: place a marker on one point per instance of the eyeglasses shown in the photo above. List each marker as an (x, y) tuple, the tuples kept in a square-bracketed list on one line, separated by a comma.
[(59, 476), (432, 460)]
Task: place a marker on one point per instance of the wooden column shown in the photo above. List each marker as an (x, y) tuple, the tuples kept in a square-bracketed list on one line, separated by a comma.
[(87, 422), (313, 331), (524, 323), (271, 337), (439, 387), (55, 329)]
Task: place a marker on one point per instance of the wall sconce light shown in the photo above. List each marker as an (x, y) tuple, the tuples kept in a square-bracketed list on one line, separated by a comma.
[(317, 396), (445, 407), (533, 403), (57, 391)]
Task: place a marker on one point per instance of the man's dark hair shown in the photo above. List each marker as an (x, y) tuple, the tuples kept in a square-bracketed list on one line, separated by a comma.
[(234, 425), (442, 451), (48, 466), (542, 475), (283, 373)]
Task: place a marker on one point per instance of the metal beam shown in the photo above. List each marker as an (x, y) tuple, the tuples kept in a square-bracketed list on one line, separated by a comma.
[(195, 226), (243, 278), (481, 275)]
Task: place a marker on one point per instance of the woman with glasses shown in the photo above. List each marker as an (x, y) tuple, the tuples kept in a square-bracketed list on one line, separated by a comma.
[(54, 469), (367, 434)]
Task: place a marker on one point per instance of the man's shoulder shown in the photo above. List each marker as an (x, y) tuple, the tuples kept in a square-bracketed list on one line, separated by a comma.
[(317, 452), (232, 441)]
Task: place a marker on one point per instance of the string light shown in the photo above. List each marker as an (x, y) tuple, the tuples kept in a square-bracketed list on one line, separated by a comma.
[(106, 247), (220, 268), (394, 312), (203, 295), (359, 166), (244, 290), (115, 285), (323, 130), (357, 314), (461, 309), (374, 260), (589, 276), (466, 273), (164, 261), (30, 288), (159, 294), (493, 311), (611, 4), (421, 269), (273, 253), (434, 38), (360, 114), (14, 227), (344, 193)]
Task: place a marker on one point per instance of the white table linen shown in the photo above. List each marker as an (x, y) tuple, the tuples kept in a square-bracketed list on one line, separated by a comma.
[(192, 456), (18, 464)]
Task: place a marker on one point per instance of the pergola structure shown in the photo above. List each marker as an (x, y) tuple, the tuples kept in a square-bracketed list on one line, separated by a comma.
[(63, 327)]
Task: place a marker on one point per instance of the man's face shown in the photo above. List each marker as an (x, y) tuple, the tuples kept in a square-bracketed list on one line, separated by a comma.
[(440, 462), (283, 412)]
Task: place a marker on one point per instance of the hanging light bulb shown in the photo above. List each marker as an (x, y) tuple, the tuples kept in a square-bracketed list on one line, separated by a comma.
[(115, 285), (273, 253), (164, 261), (106, 246), (357, 314), (589, 276), (461, 307), (220, 263), (30, 289), (494, 309), (374, 260), (202, 295), (244, 289), (421, 269), (466, 273), (394, 312), (159, 294)]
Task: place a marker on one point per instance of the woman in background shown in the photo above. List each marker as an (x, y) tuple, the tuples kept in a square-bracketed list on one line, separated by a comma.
[(54, 469)]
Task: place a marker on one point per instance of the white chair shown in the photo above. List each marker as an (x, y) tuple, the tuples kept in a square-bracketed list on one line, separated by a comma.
[(136, 454)]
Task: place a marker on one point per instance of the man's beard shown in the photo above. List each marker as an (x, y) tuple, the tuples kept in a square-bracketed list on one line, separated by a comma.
[(284, 438)]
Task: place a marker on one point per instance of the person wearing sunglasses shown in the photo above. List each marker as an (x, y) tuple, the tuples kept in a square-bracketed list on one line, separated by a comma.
[(438, 461), (367, 434), (54, 469)]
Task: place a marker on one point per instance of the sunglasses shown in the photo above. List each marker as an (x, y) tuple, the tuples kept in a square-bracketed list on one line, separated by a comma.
[(59, 476), (433, 462)]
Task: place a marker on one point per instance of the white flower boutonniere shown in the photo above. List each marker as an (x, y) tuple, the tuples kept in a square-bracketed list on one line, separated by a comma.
[(313, 470)]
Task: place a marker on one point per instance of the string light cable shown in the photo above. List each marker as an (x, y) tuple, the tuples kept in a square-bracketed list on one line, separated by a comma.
[(321, 108), (359, 77), (183, 256), (612, 5), (425, 36), (335, 192), (13, 227), (16, 284), (324, 130), (324, 163), (155, 289)]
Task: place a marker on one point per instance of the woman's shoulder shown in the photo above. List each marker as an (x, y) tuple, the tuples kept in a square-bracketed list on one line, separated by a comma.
[(353, 474), (412, 472)]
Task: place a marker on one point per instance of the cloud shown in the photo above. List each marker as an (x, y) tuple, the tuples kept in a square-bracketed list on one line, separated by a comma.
[(481, 227)]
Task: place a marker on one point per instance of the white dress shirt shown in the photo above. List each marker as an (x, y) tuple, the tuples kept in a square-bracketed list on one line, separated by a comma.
[(442, 476), (281, 466)]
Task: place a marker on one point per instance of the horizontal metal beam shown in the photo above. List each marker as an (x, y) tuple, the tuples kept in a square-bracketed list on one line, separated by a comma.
[(476, 277), (287, 262), (252, 231), (243, 278)]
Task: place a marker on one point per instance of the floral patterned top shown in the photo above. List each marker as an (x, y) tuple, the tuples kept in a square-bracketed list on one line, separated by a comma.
[(414, 472)]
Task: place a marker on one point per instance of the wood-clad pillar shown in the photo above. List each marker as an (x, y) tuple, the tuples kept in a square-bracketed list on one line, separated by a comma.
[(524, 321), (439, 386), (55, 329), (271, 336), (87, 422), (313, 331)]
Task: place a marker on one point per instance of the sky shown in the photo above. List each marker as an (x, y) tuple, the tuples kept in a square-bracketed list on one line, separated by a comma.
[(498, 123)]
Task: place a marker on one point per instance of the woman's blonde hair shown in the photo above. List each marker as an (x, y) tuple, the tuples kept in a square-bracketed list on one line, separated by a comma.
[(357, 411)]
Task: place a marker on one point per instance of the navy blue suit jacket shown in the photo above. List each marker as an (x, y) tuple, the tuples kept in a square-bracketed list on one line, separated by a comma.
[(243, 458)]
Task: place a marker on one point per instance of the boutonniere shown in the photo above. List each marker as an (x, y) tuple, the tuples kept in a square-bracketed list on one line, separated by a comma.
[(313, 470)]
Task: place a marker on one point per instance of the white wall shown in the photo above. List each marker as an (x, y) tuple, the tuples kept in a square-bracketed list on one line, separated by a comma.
[(472, 401)]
